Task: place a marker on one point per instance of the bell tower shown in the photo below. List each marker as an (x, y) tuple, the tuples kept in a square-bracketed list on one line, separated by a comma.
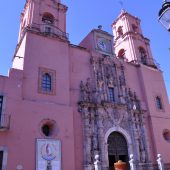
[(46, 18), (45, 15), (130, 44)]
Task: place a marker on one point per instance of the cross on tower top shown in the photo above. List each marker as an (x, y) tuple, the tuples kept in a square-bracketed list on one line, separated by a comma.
[(121, 4)]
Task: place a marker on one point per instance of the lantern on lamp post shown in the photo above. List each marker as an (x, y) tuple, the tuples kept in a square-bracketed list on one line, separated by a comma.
[(164, 15)]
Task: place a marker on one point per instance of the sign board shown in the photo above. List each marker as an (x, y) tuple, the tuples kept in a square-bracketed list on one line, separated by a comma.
[(48, 154)]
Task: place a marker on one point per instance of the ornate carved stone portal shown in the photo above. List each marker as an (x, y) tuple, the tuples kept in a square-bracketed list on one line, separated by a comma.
[(107, 102)]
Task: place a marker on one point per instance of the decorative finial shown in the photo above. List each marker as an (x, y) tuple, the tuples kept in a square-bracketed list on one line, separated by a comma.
[(121, 3), (100, 27)]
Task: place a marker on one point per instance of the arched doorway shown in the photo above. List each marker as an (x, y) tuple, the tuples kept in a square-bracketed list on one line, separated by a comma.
[(117, 149)]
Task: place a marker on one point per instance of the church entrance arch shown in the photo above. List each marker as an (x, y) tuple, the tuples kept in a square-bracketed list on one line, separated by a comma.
[(117, 149)]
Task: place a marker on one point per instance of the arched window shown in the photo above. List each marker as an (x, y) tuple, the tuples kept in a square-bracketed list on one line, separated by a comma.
[(135, 28), (46, 82), (48, 18), (48, 128), (1, 159), (159, 103), (1, 102), (143, 55), (120, 31), (121, 53), (111, 94)]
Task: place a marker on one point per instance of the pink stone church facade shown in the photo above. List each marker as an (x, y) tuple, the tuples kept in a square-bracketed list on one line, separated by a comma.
[(62, 104)]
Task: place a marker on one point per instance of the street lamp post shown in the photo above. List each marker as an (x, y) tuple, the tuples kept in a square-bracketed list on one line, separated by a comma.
[(164, 15)]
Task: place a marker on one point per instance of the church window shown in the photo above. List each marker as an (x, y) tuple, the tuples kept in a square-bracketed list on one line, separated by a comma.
[(134, 28), (48, 128), (111, 94), (46, 81), (120, 31), (121, 54), (1, 159), (48, 18), (48, 21), (159, 103), (1, 102), (143, 55)]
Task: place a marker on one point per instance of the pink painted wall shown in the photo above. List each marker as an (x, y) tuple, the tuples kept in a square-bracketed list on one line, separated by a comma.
[(28, 108)]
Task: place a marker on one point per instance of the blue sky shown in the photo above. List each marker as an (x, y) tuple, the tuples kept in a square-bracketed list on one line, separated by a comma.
[(82, 17)]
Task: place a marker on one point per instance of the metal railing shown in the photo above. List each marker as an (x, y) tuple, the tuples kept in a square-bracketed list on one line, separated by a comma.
[(49, 30), (4, 122)]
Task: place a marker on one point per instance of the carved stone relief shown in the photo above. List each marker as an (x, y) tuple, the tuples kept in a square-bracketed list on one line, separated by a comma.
[(99, 114)]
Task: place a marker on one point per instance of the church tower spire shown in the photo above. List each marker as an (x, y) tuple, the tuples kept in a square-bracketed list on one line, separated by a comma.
[(130, 44)]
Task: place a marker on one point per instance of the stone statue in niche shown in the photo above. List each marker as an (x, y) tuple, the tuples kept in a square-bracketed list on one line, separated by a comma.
[(142, 147), (82, 92), (88, 90), (95, 142), (85, 91), (110, 82), (108, 72), (100, 87), (122, 80), (130, 93), (107, 60), (101, 90), (99, 76)]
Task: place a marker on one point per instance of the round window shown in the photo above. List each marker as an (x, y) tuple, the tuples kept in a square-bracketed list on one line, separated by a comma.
[(48, 128)]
